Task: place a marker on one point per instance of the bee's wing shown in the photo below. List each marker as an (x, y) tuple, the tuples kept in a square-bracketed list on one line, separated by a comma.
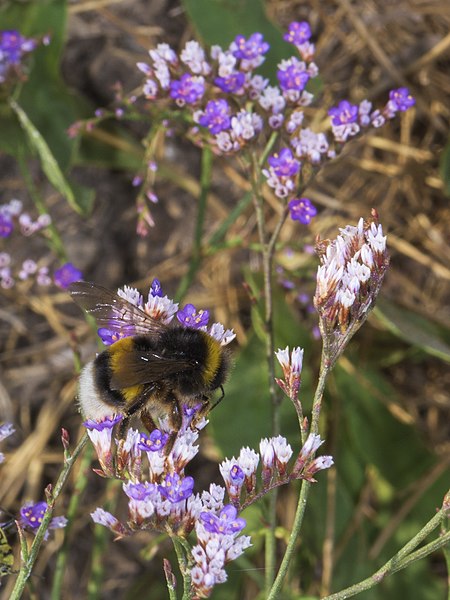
[(112, 311), (137, 367)]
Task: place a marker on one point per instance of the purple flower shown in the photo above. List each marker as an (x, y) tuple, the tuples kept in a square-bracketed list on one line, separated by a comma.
[(226, 523), (283, 163), (12, 47), (155, 288), (139, 491), (188, 89), (153, 442), (302, 209), (298, 33), (190, 411), (31, 515), (401, 99), (344, 113), (189, 317), (111, 336), (237, 475), (249, 49), (106, 423), (292, 75), (66, 275), (232, 84), (216, 116), (176, 489), (6, 226)]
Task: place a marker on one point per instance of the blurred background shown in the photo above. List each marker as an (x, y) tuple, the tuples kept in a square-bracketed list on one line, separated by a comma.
[(387, 407)]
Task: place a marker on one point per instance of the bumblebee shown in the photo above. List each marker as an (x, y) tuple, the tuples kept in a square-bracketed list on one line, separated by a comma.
[(151, 373)]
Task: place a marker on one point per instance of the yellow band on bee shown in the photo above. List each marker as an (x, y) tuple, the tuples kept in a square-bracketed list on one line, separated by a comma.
[(118, 354), (213, 358)]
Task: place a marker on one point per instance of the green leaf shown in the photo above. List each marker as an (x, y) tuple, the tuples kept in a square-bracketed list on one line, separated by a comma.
[(373, 432), (412, 328), (48, 161), (44, 96), (244, 415)]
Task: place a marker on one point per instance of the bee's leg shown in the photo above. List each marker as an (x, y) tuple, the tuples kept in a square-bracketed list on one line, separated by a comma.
[(202, 411), (123, 427), (147, 420), (219, 400), (175, 421)]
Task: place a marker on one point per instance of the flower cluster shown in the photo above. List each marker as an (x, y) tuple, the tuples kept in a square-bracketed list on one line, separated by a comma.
[(292, 370), (161, 496), (12, 212), (218, 544), (161, 308), (348, 119), (239, 474), (348, 281), (231, 106), (13, 48), (14, 218)]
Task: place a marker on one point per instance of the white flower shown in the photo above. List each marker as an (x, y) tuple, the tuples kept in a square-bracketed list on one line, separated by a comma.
[(131, 295), (248, 461)]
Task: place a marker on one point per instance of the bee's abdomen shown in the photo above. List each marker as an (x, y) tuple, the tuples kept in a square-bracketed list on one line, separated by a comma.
[(95, 397)]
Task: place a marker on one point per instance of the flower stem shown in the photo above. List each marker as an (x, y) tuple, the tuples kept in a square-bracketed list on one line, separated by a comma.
[(25, 570), (183, 564), (304, 490), (80, 486), (221, 231), (267, 256), (170, 580), (402, 559), (205, 184)]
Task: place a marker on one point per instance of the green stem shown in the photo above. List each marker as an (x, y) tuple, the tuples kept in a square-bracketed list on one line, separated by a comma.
[(26, 568), (221, 231), (402, 559), (205, 185), (181, 552), (80, 486), (446, 549), (270, 545), (170, 580), (304, 491), (273, 138)]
